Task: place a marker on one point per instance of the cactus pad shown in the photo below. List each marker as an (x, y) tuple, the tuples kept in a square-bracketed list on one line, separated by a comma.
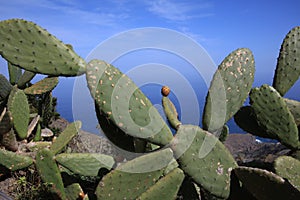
[(15, 73), (25, 78), (5, 87), (65, 137), (74, 192), (273, 114), (288, 63), (229, 88), (19, 108), (133, 178), (289, 168), (171, 112), (124, 103), (45, 85), (294, 107), (31, 47), (265, 185), (14, 161), (85, 164), (166, 188), (203, 157), (49, 172)]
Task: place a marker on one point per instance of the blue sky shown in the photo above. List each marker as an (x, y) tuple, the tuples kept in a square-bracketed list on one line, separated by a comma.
[(219, 26)]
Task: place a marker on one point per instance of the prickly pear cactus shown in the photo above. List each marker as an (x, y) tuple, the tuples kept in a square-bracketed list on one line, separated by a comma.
[(171, 112), (245, 118), (14, 161), (274, 116), (75, 192), (204, 158), (5, 87), (25, 78), (265, 185), (85, 164), (49, 172), (15, 73), (19, 108), (289, 168), (45, 85), (288, 63), (229, 89), (166, 188), (121, 101), (65, 137), (294, 107), (133, 178), (31, 47)]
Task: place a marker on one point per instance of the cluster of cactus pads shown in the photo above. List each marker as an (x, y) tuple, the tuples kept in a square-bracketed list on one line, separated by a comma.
[(192, 164)]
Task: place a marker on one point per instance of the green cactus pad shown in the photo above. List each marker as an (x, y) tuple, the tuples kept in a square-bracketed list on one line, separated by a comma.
[(166, 188), (204, 158), (245, 118), (74, 192), (85, 164), (31, 47), (265, 185), (14, 161), (229, 89), (26, 77), (5, 87), (273, 114), (9, 141), (15, 73), (65, 137), (294, 107), (133, 178), (45, 85), (289, 168), (124, 104), (288, 63), (171, 112), (49, 172), (19, 108), (5, 122)]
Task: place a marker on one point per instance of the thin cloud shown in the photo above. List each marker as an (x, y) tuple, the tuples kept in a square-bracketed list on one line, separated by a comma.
[(179, 11)]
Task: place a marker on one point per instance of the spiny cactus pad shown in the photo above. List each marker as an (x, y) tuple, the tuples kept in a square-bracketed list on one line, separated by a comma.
[(245, 118), (14, 161), (19, 108), (74, 192), (288, 63), (45, 85), (15, 73), (289, 168), (294, 107), (229, 88), (5, 122), (166, 188), (124, 103), (49, 172), (9, 140), (131, 179), (65, 137), (203, 157), (265, 185), (31, 47), (25, 78), (273, 114), (5, 87), (171, 112), (85, 164)]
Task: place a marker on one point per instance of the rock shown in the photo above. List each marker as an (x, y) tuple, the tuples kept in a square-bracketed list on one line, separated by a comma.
[(248, 151)]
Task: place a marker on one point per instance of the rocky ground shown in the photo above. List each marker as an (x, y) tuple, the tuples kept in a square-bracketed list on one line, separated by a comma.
[(244, 147)]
